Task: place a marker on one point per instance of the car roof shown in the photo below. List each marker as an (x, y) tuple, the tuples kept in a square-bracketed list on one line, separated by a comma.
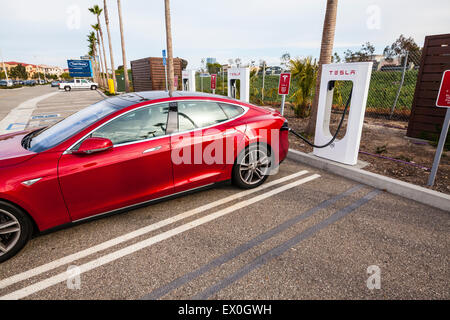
[(128, 99)]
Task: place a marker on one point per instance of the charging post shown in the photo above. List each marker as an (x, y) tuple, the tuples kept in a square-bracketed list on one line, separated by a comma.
[(343, 150), (188, 80), (243, 75), (443, 101), (283, 88)]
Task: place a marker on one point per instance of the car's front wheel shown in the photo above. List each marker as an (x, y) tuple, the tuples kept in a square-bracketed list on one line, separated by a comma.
[(252, 166), (67, 88), (15, 230), (93, 87)]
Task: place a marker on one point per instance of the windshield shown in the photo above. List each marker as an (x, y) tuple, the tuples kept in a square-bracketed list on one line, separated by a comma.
[(73, 124)]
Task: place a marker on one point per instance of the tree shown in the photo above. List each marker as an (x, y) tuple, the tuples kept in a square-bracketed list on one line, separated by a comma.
[(97, 11), (285, 59), (213, 67), (364, 54), (326, 51), (38, 75), (336, 58), (101, 58), (65, 76), (169, 46), (92, 40), (111, 56), (19, 72), (401, 46), (124, 57), (2, 74), (304, 73)]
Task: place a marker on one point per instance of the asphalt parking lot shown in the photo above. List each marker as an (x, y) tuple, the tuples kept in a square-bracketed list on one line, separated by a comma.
[(304, 234)]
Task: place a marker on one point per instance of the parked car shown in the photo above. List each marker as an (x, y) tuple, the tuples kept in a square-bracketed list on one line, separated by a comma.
[(6, 83), (30, 82), (18, 82), (55, 84), (78, 168), (78, 84)]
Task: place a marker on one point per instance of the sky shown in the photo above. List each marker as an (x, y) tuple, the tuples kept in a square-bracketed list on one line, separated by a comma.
[(50, 31)]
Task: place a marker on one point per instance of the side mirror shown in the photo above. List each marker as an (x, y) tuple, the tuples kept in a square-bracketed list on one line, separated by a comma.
[(93, 145)]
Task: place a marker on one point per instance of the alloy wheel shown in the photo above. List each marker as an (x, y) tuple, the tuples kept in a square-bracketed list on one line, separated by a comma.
[(9, 231), (254, 166)]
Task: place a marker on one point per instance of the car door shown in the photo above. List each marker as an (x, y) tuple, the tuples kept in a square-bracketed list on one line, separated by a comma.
[(137, 169), (84, 84), (199, 148)]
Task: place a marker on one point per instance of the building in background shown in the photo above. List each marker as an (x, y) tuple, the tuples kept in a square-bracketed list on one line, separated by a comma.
[(210, 60), (33, 69)]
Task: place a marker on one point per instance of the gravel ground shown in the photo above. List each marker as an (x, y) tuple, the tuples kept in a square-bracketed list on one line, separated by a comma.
[(386, 138)]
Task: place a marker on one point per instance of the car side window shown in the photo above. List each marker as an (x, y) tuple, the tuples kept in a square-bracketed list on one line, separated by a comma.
[(199, 114), (232, 111), (141, 124)]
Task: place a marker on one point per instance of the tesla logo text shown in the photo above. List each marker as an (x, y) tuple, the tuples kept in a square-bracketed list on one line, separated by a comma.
[(342, 72), (235, 74)]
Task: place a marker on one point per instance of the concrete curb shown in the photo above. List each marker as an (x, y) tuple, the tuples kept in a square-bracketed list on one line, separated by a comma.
[(407, 190), (102, 94)]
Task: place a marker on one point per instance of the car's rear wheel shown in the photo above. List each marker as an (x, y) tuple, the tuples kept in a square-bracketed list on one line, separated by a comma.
[(93, 87), (252, 166), (15, 230), (67, 88)]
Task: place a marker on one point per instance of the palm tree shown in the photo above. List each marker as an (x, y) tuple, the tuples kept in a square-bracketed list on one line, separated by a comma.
[(93, 53), (111, 56), (304, 72), (96, 10), (169, 47), (124, 57), (102, 73), (326, 51)]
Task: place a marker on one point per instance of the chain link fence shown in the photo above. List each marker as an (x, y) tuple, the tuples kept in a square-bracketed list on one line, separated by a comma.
[(391, 90)]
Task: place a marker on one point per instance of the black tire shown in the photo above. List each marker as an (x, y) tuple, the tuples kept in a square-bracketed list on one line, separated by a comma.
[(239, 173), (93, 87), (67, 88), (14, 241)]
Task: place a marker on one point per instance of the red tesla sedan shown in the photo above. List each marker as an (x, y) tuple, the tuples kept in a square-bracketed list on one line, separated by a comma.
[(129, 151)]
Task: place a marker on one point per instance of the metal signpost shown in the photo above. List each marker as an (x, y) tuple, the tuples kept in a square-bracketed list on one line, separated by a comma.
[(443, 101), (283, 88), (213, 83), (165, 66)]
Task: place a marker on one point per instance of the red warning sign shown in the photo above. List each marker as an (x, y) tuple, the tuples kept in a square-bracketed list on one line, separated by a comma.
[(443, 99), (213, 81), (285, 82)]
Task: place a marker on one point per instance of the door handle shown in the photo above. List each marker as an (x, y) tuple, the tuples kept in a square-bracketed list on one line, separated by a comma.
[(152, 149)]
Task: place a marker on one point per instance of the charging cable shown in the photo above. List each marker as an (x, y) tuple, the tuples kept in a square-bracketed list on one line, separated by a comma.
[(337, 131)]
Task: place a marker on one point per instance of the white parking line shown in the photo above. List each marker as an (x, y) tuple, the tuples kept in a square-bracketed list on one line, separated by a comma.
[(44, 284), (139, 232), (22, 113)]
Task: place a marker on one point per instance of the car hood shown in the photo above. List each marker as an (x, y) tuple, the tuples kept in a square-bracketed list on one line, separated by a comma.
[(11, 150)]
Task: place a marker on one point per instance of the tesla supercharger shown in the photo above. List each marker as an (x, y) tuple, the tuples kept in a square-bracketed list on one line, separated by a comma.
[(188, 80), (344, 150), (243, 75)]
